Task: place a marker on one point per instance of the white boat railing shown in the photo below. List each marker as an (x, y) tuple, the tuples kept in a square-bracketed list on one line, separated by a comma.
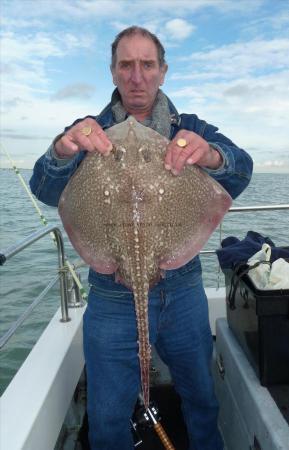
[(62, 275), (259, 208), (248, 209), (35, 402)]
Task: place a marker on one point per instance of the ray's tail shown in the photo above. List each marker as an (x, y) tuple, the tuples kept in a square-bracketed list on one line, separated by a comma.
[(141, 306), (139, 276)]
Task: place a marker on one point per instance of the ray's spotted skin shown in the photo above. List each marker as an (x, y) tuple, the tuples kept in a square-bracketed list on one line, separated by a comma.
[(125, 213)]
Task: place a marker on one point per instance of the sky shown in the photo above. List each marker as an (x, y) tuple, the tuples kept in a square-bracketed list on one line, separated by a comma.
[(228, 63)]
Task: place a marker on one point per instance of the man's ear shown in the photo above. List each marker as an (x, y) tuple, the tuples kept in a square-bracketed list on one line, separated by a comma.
[(113, 75), (164, 70)]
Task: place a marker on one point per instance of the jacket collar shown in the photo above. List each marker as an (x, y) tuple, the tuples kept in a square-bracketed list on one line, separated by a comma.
[(106, 119)]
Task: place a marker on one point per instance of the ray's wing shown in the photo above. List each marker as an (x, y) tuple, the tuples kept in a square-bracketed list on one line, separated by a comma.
[(84, 208), (192, 208)]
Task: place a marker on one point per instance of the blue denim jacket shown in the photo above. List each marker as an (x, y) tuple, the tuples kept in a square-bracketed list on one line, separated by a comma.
[(49, 179)]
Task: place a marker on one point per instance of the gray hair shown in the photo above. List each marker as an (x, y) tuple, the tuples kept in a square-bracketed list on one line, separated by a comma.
[(132, 31)]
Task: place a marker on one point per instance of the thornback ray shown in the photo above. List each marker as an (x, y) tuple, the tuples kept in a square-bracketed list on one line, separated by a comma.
[(126, 214)]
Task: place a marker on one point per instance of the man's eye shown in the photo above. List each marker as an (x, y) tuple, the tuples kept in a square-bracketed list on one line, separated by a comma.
[(148, 65), (125, 65)]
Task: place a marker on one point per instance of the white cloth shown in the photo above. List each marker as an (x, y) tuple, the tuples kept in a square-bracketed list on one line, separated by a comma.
[(266, 276)]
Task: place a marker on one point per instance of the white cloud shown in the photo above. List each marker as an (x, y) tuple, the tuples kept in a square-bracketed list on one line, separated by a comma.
[(26, 78), (25, 57), (178, 29), (20, 47), (24, 71), (253, 111), (262, 22), (243, 88), (171, 33), (237, 59), (28, 128), (99, 9), (30, 47), (70, 42)]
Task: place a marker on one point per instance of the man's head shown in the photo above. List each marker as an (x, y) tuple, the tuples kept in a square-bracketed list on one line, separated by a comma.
[(132, 31), (138, 69)]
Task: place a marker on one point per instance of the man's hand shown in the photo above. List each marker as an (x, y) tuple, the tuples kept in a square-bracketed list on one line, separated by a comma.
[(85, 135), (196, 151)]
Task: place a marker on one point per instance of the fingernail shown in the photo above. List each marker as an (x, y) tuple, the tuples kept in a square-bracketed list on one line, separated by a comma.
[(167, 167), (190, 161), (109, 147), (175, 172)]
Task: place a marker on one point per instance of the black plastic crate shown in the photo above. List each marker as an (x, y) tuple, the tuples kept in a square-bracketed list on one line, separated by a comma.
[(260, 321)]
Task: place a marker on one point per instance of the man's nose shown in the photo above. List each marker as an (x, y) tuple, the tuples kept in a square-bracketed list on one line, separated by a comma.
[(136, 74)]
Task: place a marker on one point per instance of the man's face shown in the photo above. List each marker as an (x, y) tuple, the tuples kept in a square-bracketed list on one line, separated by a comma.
[(137, 73)]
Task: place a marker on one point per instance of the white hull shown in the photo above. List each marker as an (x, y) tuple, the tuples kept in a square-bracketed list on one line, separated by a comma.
[(35, 403), (249, 417)]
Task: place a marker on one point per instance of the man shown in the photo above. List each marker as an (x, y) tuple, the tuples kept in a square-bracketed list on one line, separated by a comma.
[(178, 312)]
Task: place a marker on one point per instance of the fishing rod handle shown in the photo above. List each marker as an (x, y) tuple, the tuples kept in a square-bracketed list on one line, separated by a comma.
[(163, 437)]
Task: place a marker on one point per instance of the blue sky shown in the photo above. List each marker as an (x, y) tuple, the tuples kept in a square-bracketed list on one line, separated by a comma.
[(228, 62)]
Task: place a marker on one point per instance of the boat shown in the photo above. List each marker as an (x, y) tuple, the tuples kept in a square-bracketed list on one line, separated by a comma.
[(43, 407)]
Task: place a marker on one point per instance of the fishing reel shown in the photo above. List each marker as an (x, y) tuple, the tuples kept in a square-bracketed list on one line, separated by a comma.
[(148, 418)]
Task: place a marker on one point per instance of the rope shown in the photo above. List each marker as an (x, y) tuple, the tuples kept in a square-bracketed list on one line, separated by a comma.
[(44, 221), (219, 266), (76, 279)]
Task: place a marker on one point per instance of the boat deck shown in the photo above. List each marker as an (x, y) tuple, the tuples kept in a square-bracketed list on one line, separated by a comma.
[(280, 395), (168, 403)]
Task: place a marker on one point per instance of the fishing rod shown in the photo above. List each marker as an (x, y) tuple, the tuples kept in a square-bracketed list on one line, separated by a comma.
[(44, 220), (150, 417)]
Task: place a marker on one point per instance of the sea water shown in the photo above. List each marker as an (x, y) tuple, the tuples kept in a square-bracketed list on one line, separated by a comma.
[(24, 276)]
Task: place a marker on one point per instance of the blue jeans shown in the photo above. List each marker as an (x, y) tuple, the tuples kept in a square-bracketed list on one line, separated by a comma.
[(180, 331)]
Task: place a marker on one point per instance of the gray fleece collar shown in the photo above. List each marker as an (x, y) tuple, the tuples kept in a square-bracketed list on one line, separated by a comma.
[(160, 119)]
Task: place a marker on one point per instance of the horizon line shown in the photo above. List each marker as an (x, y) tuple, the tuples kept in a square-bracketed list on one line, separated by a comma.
[(272, 170)]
